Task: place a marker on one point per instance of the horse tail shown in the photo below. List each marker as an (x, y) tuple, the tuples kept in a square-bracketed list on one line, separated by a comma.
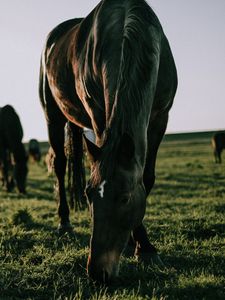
[(75, 166)]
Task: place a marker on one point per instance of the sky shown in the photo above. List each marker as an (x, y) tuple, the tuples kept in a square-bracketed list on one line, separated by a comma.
[(196, 32)]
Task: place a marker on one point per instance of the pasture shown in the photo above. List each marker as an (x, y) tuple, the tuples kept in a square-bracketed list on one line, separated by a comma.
[(184, 218)]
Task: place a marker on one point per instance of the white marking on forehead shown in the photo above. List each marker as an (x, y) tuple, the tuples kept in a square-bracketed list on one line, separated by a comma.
[(101, 188)]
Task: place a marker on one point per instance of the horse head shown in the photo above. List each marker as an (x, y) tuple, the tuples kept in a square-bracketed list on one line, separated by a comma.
[(21, 171), (117, 199)]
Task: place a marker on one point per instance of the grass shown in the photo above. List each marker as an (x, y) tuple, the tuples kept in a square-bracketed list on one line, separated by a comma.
[(184, 218)]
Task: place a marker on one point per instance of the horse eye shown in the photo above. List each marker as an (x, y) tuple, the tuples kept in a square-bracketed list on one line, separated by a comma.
[(125, 200)]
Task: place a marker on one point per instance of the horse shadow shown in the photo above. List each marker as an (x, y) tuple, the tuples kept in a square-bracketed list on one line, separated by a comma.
[(34, 191)]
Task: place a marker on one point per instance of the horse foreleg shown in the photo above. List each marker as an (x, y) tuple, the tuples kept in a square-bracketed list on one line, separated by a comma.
[(142, 242), (144, 249), (7, 180)]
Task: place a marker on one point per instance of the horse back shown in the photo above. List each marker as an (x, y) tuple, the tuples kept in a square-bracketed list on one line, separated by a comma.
[(61, 30)]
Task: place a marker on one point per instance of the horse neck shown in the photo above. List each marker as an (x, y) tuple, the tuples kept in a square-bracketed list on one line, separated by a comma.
[(134, 125), (131, 69)]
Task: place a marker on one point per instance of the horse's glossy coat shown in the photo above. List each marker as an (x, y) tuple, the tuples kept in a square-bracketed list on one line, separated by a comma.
[(112, 72)]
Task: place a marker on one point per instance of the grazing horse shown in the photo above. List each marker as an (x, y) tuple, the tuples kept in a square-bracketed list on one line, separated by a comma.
[(12, 152), (34, 150), (112, 72), (218, 144)]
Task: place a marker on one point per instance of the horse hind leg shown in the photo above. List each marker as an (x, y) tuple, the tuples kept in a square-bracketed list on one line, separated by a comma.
[(56, 123), (56, 138)]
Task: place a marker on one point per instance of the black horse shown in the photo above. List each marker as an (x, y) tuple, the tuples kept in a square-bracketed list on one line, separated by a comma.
[(218, 144), (34, 150), (112, 72), (13, 158)]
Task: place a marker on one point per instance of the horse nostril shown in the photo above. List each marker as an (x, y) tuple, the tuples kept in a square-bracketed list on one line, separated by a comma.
[(100, 276)]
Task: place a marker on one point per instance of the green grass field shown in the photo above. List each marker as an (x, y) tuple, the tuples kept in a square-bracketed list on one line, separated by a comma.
[(185, 219)]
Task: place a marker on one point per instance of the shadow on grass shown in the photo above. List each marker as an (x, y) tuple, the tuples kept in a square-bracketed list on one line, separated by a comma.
[(68, 277), (189, 185), (38, 194), (196, 263), (201, 229), (40, 189), (197, 292)]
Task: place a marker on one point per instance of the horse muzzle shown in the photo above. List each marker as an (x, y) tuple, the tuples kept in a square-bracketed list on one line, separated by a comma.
[(104, 269)]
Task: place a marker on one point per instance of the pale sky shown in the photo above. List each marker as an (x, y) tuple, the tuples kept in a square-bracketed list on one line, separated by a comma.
[(195, 29)]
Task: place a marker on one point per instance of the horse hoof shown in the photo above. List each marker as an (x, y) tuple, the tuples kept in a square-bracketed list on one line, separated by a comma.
[(151, 259), (65, 228)]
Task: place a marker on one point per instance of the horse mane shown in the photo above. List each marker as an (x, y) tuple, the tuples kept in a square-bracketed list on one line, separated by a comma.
[(133, 77), (136, 54)]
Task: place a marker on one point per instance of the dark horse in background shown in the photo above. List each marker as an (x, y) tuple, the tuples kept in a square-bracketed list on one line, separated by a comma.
[(218, 144), (13, 158), (112, 72), (34, 150)]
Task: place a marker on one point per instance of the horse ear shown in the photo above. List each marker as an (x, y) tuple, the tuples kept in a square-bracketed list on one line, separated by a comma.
[(126, 150), (93, 151)]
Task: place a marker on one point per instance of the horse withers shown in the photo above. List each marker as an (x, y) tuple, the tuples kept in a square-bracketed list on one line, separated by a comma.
[(112, 72), (218, 144), (13, 158)]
